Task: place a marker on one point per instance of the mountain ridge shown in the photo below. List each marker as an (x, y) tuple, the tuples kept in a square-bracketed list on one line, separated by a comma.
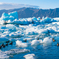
[(32, 12)]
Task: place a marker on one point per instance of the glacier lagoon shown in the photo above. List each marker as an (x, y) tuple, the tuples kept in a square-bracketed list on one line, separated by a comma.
[(31, 37)]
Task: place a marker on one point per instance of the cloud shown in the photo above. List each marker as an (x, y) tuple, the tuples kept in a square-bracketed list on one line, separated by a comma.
[(1, 3), (13, 6)]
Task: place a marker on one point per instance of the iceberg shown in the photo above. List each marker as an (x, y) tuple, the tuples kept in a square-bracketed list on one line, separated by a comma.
[(47, 41), (21, 44), (36, 42), (10, 16), (14, 14), (47, 20)]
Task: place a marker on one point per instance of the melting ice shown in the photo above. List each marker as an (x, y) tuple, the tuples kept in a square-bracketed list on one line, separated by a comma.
[(26, 33)]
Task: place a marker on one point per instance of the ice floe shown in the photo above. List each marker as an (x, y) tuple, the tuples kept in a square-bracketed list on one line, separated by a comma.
[(30, 56), (3, 55), (47, 41), (6, 54), (21, 44), (36, 42), (16, 51)]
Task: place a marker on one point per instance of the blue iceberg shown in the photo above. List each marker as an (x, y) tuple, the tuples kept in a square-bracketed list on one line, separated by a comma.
[(10, 16)]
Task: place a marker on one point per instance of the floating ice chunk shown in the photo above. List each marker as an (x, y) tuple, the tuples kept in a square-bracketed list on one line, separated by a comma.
[(55, 23), (10, 52), (30, 56), (11, 27), (35, 21), (12, 34), (3, 55), (57, 18), (1, 21), (53, 29), (38, 18), (29, 39), (10, 16), (5, 14), (5, 17), (14, 14), (29, 20), (47, 20), (36, 42), (34, 18), (5, 33), (21, 44), (23, 21), (2, 29), (47, 41), (31, 30), (32, 33), (16, 22), (9, 21), (43, 31), (16, 34), (16, 51), (6, 54)]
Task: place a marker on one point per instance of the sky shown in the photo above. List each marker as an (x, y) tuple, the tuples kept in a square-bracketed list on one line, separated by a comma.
[(43, 4)]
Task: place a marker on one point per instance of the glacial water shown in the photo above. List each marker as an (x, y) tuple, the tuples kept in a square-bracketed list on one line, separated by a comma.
[(30, 32), (29, 38)]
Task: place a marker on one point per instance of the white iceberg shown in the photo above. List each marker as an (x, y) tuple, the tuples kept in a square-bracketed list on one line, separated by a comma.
[(47, 41), (21, 44), (30, 56), (36, 42)]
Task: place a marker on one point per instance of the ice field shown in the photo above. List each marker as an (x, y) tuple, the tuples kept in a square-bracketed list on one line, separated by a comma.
[(31, 37)]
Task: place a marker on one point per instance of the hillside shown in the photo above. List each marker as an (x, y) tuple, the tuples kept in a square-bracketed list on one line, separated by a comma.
[(32, 12)]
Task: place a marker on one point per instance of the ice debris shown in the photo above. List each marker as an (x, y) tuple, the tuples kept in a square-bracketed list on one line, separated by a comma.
[(30, 56)]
